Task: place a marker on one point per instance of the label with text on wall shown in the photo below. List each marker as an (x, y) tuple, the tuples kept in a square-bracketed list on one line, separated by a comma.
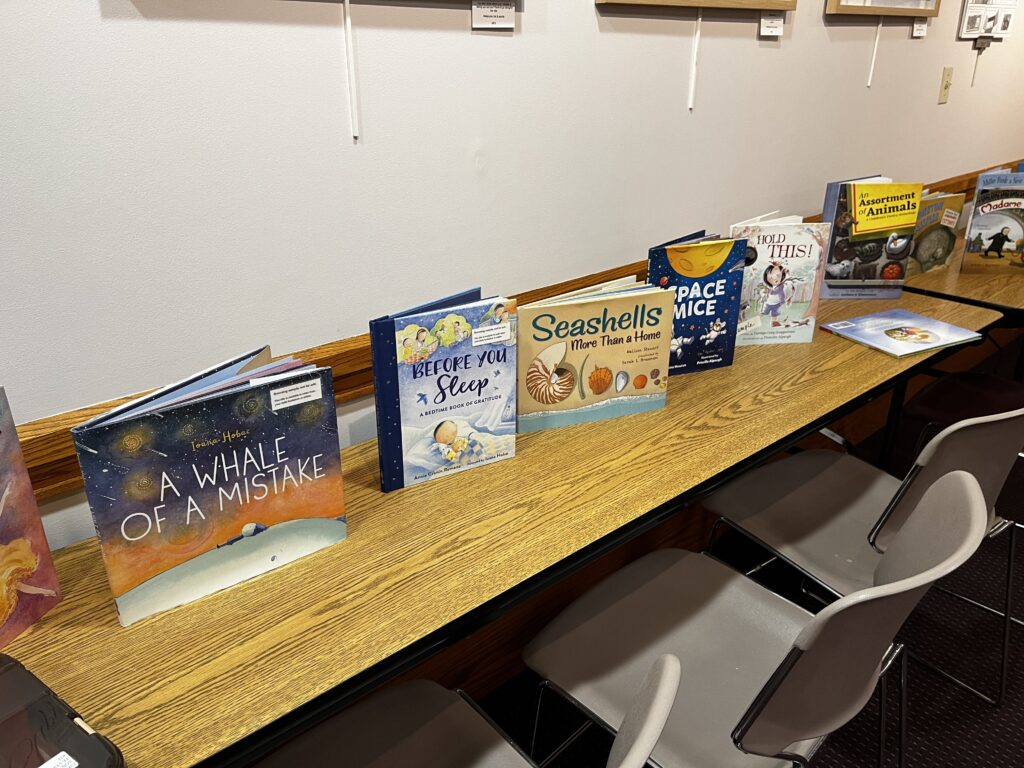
[(494, 14)]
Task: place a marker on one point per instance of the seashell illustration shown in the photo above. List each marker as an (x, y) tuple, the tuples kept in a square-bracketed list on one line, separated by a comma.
[(548, 380), (600, 380), (655, 374), (640, 381), (621, 381)]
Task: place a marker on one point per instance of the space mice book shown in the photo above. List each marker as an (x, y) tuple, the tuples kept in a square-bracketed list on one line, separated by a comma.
[(706, 276), (781, 281), (444, 387), (592, 354), (28, 581), (213, 480)]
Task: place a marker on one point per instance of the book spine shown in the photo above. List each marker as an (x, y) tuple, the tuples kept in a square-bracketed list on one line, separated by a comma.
[(388, 407)]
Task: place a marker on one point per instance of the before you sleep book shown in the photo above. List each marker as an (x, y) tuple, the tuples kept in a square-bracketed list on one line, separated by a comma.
[(28, 581), (444, 378), (213, 480)]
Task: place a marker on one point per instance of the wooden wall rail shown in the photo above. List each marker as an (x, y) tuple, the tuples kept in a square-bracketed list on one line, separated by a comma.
[(50, 454)]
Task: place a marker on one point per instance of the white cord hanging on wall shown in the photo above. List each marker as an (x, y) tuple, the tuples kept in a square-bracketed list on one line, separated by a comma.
[(692, 92), (874, 51), (350, 68)]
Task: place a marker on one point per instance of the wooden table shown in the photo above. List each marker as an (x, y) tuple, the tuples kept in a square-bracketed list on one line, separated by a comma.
[(175, 689), (993, 283)]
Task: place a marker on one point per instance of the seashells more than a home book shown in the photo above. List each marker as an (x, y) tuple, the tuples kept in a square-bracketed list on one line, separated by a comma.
[(593, 354)]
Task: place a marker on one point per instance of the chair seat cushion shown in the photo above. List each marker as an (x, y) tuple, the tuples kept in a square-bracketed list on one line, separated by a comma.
[(413, 724), (729, 634), (816, 509)]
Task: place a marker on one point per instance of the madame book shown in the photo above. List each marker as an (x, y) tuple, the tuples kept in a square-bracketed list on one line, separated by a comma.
[(705, 277), (28, 581), (445, 387), (873, 222), (593, 354), (783, 265), (899, 333), (995, 235), (218, 478)]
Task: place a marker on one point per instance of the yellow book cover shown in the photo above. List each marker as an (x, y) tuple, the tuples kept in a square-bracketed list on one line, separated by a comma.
[(883, 208), (593, 356)]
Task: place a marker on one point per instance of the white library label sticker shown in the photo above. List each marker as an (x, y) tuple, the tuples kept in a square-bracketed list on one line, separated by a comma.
[(494, 14), (489, 334), (295, 394), (950, 218), (920, 28), (772, 23), (60, 760)]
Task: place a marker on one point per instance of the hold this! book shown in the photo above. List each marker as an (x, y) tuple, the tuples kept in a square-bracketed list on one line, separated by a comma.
[(899, 333), (213, 480), (28, 581), (706, 277), (597, 353), (781, 280), (445, 387)]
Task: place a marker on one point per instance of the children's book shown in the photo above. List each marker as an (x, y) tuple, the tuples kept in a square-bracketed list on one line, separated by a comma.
[(445, 387), (28, 581), (781, 280), (593, 354), (898, 332), (873, 224), (213, 480), (706, 277), (935, 232), (995, 235)]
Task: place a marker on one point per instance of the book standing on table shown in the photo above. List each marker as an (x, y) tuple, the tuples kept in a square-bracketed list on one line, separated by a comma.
[(221, 477), (444, 387)]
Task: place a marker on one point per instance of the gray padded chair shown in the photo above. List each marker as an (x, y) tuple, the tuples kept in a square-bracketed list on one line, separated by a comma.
[(424, 725), (783, 677), (832, 515)]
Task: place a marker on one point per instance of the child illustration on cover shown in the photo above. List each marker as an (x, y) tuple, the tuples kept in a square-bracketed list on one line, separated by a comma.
[(447, 441), (777, 291)]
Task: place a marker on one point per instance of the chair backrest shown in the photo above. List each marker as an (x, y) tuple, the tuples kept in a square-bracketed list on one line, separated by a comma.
[(642, 725), (986, 447), (836, 659)]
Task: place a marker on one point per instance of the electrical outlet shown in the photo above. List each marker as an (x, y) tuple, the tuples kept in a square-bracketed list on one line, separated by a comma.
[(947, 83)]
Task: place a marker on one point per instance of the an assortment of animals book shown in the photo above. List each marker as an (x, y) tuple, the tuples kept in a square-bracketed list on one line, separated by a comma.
[(781, 280), (28, 581), (706, 278), (593, 354), (445, 387), (213, 480), (873, 223), (898, 332), (995, 235), (935, 232)]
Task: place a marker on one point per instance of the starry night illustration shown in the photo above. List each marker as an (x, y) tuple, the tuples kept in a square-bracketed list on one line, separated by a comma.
[(707, 278), (193, 498)]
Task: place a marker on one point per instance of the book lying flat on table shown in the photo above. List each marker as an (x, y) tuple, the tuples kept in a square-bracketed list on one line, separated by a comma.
[(213, 480), (898, 332), (785, 258), (592, 354), (873, 224), (705, 275), (28, 582), (445, 387)]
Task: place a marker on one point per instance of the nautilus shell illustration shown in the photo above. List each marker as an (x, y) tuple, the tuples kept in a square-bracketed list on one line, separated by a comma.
[(549, 379)]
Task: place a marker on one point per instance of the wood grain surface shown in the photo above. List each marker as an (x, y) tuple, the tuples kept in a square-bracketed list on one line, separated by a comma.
[(180, 686), (995, 282)]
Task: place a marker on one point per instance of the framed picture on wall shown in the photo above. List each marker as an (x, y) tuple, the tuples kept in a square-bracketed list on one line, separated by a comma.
[(884, 7), (987, 18)]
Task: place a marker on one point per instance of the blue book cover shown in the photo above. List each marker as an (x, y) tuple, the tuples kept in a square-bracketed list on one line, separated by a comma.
[(707, 278), (190, 496), (445, 387), (898, 332)]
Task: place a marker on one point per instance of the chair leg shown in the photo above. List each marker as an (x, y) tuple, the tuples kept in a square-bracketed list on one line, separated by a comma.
[(536, 719), (904, 704), (883, 700)]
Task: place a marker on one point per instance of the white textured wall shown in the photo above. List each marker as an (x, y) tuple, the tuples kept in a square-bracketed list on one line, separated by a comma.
[(178, 182)]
